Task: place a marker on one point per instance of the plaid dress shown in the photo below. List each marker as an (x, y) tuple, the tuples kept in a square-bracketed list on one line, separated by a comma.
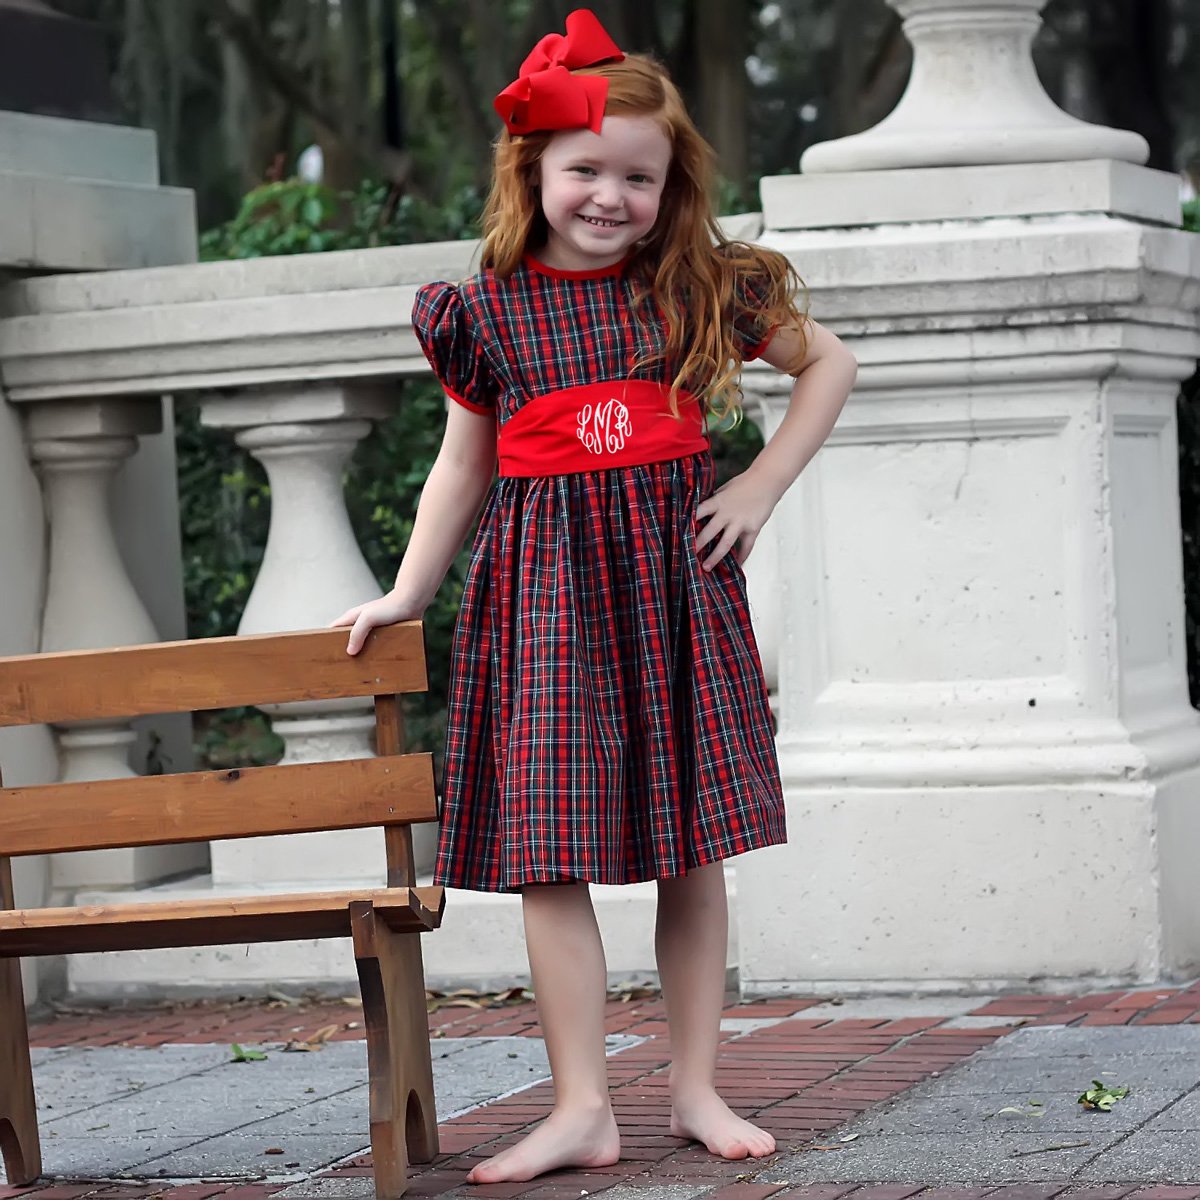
[(607, 716)]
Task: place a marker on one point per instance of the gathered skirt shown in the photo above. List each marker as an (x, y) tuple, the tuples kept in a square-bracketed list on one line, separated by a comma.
[(607, 719)]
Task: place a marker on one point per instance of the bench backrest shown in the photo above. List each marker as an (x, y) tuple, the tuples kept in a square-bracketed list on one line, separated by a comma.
[(391, 790)]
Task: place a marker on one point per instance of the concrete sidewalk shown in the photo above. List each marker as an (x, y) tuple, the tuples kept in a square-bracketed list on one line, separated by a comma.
[(883, 1098)]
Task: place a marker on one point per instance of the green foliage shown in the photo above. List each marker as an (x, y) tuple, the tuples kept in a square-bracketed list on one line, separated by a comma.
[(294, 217), (1191, 215), (1100, 1097)]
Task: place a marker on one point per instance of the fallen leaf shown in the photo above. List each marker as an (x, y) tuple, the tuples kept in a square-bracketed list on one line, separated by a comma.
[(315, 1042), (850, 1137), (1100, 1097), (242, 1056), (273, 1150)]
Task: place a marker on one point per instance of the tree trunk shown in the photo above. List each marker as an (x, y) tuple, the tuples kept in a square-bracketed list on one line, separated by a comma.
[(871, 63), (720, 88), (1131, 52)]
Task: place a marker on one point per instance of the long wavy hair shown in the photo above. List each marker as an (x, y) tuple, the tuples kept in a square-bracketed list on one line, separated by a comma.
[(693, 280)]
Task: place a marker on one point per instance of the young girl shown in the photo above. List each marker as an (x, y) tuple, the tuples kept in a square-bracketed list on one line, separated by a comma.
[(607, 718)]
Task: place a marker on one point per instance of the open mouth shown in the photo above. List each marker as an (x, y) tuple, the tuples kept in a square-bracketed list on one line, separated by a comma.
[(601, 222)]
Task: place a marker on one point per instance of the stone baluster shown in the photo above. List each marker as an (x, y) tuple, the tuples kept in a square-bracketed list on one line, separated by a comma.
[(973, 97), (78, 448), (312, 570)]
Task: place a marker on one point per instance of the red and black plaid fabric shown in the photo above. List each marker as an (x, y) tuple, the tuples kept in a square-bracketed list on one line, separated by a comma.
[(607, 716)]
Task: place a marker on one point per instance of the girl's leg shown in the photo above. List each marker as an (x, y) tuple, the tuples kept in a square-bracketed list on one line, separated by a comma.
[(691, 941), (566, 960)]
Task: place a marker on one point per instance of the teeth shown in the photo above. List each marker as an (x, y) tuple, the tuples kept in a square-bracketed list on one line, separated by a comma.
[(603, 224)]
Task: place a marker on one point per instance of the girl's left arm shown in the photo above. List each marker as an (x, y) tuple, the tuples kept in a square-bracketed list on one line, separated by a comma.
[(737, 510)]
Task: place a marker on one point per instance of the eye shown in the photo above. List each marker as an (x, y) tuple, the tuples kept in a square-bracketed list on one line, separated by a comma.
[(584, 170), (640, 179)]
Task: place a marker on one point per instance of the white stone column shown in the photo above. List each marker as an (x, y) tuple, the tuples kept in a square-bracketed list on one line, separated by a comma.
[(90, 602), (991, 767), (312, 570)]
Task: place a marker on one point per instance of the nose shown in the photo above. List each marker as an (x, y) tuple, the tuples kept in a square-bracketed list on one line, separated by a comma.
[(606, 193)]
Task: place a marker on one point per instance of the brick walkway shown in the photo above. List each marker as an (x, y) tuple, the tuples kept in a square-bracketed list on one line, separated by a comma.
[(798, 1077)]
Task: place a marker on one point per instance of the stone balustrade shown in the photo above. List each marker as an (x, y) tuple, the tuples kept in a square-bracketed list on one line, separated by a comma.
[(295, 358)]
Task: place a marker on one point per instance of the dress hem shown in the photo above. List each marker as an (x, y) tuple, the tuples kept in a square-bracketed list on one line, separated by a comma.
[(702, 860)]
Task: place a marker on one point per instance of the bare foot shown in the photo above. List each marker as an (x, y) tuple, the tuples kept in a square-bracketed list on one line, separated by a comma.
[(566, 1138), (704, 1117)]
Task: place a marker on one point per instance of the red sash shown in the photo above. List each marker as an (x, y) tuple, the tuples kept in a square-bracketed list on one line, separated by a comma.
[(626, 423)]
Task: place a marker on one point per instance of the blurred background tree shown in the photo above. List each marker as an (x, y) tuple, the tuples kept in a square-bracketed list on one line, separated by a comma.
[(400, 90)]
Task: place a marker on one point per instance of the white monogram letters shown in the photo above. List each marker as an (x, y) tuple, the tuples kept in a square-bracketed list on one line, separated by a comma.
[(604, 427)]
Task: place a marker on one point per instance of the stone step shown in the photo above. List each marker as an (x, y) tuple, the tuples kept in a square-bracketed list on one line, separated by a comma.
[(56, 146), (51, 223)]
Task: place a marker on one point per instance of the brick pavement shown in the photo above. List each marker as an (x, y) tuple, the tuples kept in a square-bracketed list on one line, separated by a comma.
[(796, 1076)]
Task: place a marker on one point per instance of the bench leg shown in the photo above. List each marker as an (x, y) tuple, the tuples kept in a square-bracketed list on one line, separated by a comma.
[(403, 1116), (18, 1112)]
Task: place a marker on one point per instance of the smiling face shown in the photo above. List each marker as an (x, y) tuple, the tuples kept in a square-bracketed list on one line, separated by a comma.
[(600, 192)]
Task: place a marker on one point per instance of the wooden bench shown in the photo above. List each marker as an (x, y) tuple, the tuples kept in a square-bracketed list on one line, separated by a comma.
[(390, 791)]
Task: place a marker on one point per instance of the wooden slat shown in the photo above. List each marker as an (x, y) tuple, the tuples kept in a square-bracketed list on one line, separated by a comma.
[(213, 805), (80, 685), (28, 932), (397, 839)]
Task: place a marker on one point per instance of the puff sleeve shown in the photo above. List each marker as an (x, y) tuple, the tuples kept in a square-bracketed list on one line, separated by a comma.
[(443, 328), (751, 333)]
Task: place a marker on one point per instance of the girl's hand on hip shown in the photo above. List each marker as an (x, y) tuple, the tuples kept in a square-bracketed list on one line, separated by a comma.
[(387, 610), (735, 513)]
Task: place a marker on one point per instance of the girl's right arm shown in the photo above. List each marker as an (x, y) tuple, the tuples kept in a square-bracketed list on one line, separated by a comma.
[(450, 502)]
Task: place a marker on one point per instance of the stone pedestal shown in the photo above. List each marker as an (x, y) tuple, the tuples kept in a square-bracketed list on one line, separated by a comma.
[(991, 765)]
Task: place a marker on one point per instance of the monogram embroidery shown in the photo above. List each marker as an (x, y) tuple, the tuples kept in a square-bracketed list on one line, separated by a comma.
[(604, 427)]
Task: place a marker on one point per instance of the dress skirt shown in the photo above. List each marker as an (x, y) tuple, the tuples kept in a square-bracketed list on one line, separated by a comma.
[(608, 718)]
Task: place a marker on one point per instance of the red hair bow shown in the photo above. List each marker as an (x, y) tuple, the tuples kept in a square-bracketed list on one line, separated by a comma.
[(546, 95)]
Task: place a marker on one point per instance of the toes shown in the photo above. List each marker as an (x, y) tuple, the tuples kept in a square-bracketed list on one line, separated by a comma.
[(487, 1172), (734, 1151), (761, 1143)]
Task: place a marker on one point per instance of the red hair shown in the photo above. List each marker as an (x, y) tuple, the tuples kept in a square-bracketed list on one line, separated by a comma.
[(691, 273)]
